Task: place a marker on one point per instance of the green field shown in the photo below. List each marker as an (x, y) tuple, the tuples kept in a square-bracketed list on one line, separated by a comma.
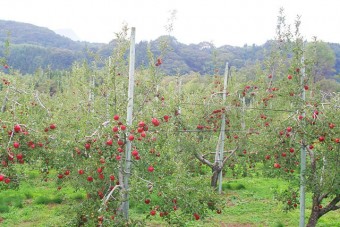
[(249, 202)]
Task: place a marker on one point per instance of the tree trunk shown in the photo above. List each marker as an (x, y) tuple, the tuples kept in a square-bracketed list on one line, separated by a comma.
[(214, 178), (314, 217)]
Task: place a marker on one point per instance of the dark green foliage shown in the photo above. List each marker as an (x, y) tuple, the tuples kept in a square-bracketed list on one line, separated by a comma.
[(33, 47)]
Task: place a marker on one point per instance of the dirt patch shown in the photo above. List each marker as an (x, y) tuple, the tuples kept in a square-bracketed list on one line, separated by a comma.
[(1, 219)]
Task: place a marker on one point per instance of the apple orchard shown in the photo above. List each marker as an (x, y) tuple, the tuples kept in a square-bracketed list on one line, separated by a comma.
[(78, 135)]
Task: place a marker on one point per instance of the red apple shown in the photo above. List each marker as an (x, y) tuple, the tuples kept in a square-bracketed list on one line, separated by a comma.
[(277, 165), (16, 145), (134, 153), (152, 212), (116, 117), (109, 142), (81, 172), (321, 138), (147, 201), (17, 128), (52, 126), (2, 177), (131, 137), (289, 129), (89, 178), (151, 168), (155, 121), (87, 146), (289, 77)]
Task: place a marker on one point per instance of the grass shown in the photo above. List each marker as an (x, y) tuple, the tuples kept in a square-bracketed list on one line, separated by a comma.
[(249, 202)]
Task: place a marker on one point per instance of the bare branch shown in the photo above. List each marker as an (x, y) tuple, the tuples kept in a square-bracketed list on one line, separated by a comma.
[(105, 199), (203, 160), (227, 158), (36, 96), (3, 107)]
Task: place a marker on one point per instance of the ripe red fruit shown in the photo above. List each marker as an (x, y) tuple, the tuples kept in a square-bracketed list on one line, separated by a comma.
[(141, 124), (284, 154), (337, 140), (118, 157), (267, 157), (311, 147), (147, 201), (16, 145), (306, 87), (87, 146), (289, 77), (116, 117), (20, 156), (134, 153), (7, 181), (131, 137), (81, 172), (300, 117), (2, 177), (166, 118), (120, 150), (321, 138), (291, 150), (331, 125), (153, 212), (60, 176), (99, 170), (17, 128), (151, 169), (155, 121), (52, 126), (120, 142), (89, 178), (109, 142), (143, 134), (270, 76), (197, 217), (289, 129), (277, 165), (115, 129), (112, 177), (123, 127), (67, 172)]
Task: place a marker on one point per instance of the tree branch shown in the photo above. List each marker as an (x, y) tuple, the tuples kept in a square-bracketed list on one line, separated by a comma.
[(203, 160), (105, 199), (331, 206), (227, 158)]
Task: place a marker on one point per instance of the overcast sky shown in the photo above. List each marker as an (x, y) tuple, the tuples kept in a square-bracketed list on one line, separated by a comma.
[(236, 22)]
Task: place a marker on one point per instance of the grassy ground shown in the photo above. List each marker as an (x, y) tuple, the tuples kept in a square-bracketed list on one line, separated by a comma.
[(250, 202)]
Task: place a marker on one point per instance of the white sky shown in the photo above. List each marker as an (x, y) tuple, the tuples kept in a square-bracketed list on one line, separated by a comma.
[(222, 22)]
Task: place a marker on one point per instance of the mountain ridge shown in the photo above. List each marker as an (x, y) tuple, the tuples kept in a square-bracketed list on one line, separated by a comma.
[(33, 47)]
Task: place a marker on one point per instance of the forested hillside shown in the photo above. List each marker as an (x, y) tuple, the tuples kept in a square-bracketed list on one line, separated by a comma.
[(32, 47)]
